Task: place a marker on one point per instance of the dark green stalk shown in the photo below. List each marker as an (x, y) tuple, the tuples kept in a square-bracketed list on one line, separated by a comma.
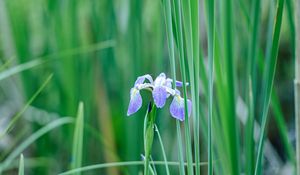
[(268, 82), (282, 127), (279, 119)]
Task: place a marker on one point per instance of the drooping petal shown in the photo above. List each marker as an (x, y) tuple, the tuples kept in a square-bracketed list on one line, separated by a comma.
[(135, 101), (177, 108), (141, 79), (160, 96)]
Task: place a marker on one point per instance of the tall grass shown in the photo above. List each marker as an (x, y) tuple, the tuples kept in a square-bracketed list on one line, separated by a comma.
[(226, 50), (297, 84)]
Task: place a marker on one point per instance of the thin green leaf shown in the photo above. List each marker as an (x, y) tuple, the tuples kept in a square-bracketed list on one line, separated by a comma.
[(21, 165), (19, 114), (268, 82), (55, 56), (171, 47), (128, 163), (78, 138), (163, 150), (183, 75), (31, 139)]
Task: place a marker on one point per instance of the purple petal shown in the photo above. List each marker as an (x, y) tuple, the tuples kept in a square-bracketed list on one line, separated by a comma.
[(160, 79), (141, 79), (135, 101), (169, 82), (160, 96), (180, 84), (177, 108), (177, 83)]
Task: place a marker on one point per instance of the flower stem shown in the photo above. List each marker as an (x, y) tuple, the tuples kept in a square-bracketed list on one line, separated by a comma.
[(148, 135)]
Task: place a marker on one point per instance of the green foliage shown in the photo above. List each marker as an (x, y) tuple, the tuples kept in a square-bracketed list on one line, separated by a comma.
[(92, 51)]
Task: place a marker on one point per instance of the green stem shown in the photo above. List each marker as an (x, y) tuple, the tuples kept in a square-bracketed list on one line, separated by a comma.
[(148, 135)]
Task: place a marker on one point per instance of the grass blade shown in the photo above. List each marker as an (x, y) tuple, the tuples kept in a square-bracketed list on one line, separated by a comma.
[(78, 138), (183, 75), (297, 83), (163, 150), (268, 82), (251, 87), (21, 165), (128, 163), (211, 30), (171, 47), (19, 114), (230, 121), (44, 130), (55, 56)]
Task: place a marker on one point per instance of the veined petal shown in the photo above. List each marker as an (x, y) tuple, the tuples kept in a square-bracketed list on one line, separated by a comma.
[(141, 79), (169, 82), (171, 91), (160, 80), (160, 96), (177, 108), (135, 101)]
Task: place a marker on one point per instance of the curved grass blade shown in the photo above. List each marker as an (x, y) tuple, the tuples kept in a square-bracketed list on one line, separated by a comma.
[(56, 56), (19, 114), (44, 130), (268, 83), (128, 163), (6, 63), (31, 163)]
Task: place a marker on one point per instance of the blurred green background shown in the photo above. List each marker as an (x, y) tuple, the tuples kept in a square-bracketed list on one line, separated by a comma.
[(95, 49)]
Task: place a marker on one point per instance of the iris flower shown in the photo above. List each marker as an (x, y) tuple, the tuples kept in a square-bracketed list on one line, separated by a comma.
[(161, 89)]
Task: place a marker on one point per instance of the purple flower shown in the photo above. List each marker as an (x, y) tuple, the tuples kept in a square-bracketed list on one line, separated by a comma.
[(161, 89), (177, 107)]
